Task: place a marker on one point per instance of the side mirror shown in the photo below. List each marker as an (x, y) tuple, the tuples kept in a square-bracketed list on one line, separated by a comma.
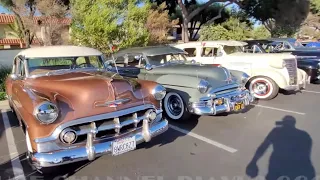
[(15, 77), (148, 67), (193, 61), (219, 54)]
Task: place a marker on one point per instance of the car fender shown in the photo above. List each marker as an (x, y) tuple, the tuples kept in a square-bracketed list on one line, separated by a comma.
[(277, 77)]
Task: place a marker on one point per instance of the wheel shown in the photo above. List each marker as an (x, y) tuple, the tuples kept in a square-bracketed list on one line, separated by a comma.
[(263, 88), (175, 108)]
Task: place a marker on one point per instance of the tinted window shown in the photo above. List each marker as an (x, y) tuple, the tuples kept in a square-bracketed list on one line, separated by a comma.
[(192, 52)]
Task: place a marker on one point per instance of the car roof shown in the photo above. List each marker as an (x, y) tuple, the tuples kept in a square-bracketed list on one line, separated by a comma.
[(220, 42), (258, 41), (58, 51), (150, 50), (283, 39)]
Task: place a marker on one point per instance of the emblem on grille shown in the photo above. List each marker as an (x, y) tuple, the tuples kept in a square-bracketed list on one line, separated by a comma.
[(115, 103)]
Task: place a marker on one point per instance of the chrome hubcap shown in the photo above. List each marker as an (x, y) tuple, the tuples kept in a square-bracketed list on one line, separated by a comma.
[(261, 88), (174, 105)]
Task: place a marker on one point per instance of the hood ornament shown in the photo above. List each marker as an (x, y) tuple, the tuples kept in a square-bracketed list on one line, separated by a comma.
[(113, 104)]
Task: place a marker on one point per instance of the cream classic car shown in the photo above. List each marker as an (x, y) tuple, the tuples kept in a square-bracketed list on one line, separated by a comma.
[(268, 72)]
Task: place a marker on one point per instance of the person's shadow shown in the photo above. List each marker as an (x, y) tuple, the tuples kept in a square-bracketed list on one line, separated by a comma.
[(291, 152)]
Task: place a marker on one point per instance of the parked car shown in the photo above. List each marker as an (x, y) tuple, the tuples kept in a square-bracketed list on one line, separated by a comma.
[(72, 109), (309, 61), (288, 45), (268, 72), (191, 88)]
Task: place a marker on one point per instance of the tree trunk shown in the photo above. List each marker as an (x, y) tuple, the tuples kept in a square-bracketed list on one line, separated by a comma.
[(185, 32)]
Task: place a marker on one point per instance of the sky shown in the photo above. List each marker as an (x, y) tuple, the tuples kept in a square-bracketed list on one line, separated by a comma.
[(3, 10)]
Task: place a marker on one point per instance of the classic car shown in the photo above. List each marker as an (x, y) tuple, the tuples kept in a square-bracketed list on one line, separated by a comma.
[(268, 72), (309, 61), (192, 89), (288, 45), (71, 108)]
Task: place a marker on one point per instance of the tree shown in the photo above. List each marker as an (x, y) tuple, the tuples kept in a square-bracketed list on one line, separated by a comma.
[(109, 22), (188, 14), (281, 18), (261, 32), (15, 31), (232, 29), (159, 23), (207, 16), (52, 11)]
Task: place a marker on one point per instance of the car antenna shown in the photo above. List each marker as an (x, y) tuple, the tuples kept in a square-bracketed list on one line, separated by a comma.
[(112, 48)]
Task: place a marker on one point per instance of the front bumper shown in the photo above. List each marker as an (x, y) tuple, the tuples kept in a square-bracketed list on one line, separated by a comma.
[(91, 150), (302, 84), (210, 108)]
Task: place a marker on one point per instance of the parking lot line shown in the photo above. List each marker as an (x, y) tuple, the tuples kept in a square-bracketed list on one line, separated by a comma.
[(278, 109), (209, 141), (15, 162), (311, 91)]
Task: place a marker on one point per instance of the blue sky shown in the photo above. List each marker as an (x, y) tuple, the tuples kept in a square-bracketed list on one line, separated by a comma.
[(3, 10)]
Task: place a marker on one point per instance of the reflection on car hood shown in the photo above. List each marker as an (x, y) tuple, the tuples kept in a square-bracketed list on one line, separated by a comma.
[(217, 76), (82, 91)]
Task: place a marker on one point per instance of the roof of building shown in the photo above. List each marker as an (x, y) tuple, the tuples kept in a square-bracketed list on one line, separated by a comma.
[(8, 19), (59, 51), (7, 41)]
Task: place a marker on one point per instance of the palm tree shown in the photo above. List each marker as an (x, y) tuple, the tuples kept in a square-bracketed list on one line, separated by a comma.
[(15, 31)]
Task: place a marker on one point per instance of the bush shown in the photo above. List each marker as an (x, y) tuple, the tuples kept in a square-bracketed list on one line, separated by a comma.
[(2, 96), (4, 72)]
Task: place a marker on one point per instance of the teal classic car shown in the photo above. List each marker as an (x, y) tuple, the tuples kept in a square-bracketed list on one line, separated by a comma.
[(192, 89)]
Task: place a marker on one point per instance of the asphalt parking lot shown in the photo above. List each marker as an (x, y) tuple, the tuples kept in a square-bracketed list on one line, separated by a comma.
[(280, 135)]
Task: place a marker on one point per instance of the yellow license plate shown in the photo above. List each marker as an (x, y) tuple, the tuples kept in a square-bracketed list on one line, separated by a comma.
[(238, 106)]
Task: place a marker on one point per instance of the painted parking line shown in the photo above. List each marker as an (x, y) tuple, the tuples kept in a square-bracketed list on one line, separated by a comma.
[(15, 162), (316, 92), (204, 139), (278, 109)]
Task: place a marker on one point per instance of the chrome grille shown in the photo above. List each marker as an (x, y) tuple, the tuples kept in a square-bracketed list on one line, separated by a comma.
[(110, 128), (291, 65)]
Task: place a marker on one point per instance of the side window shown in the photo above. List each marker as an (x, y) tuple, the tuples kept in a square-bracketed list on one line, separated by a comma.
[(209, 52), (192, 52)]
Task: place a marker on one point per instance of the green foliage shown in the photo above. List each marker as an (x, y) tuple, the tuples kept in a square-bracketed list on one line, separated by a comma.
[(99, 23), (315, 6), (4, 72), (2, 96), (232, 29), (260, 32)]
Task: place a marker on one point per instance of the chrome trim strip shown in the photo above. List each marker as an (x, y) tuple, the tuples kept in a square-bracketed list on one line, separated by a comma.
[(229, 86), (110, 115), (225, 95), (116, 102)]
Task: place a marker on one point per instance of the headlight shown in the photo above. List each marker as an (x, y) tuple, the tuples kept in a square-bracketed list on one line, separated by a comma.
[(203, 86), (159, 92), (46, 112), (244, 78)]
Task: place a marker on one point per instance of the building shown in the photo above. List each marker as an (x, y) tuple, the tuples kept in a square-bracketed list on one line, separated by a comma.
[(9, 41)]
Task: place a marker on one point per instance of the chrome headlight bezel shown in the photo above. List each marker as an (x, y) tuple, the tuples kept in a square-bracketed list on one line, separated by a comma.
[(46, 108), (159, 92), (203, 86)]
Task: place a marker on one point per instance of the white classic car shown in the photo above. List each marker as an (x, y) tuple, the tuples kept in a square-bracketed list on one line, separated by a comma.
[(269, 72)]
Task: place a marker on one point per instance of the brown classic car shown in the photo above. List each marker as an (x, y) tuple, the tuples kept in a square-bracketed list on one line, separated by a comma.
[(72, 109)]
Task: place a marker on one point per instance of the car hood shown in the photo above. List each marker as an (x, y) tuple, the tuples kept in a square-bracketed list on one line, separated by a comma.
[(82, 94), (216, 76)]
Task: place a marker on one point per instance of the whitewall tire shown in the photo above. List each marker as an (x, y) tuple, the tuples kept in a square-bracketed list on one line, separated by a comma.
[(263, 88), (174, 107)]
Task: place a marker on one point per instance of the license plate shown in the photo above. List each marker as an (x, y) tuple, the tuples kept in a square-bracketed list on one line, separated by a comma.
[(238, 106), (123, 145)]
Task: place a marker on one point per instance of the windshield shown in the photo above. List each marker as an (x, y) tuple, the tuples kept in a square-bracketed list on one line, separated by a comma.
[(296, 44), (46, 65), (159, 60), (232, 49)]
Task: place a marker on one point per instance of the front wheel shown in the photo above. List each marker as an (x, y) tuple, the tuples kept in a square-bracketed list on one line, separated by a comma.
[(175, 108), (263, 88)]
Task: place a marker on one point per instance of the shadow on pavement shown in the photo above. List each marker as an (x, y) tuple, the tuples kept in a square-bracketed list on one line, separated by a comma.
[(290, 158)]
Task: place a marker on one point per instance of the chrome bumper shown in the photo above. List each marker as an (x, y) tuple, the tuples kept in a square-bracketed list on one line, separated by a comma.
[(302, 85), (92, 150), (210, 108)]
